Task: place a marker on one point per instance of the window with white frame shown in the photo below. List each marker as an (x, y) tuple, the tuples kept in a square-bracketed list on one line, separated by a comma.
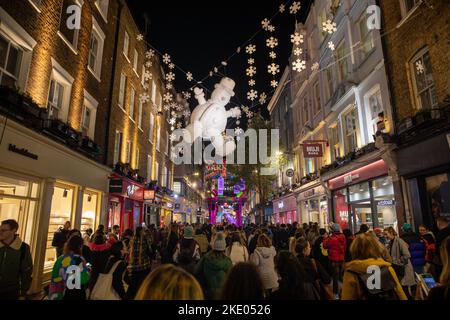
[(154, 92), (102, 6), (128, 152), (164, 177), (140, 115), (159, 100), (167, 143), (89, 115), (342, 61), (350, 130), (157, 171), (158, 137), (142, 75), (66, 32), (335, 143), (305, 110), (60, 88), (138, 158), (149, 168), (152, 124), (424, 87), (132, 101), (126, 44), (367, 41), (309, 166), (408, 5), (135, 61), (117, 147), (329, 82), (56, 99), (36, 4), (318, 102), (85, 120), (376, 112), (96, 49), (123, 84), (10, 62)]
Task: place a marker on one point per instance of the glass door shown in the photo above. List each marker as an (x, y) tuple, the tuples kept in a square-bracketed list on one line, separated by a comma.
[(361, 214)]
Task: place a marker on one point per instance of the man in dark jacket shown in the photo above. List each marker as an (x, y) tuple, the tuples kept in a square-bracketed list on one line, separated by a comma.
[(283, 238), (362, 229), (60, 238), (416, 247), (319, 253), (16, 265)]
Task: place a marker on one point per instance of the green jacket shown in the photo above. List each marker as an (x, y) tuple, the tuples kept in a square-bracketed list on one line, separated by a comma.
[(211, 271), (16, 267)]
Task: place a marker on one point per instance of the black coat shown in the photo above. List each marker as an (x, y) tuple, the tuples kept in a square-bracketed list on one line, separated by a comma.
[(310, 272), (444, 233)]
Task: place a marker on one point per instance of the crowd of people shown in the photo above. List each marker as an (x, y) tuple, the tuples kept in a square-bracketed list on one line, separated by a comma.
[(201, 261)]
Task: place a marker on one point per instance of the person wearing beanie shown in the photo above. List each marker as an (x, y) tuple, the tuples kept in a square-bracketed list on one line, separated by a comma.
[(187, 252), (213, 267), (416, 246), (336, 245)]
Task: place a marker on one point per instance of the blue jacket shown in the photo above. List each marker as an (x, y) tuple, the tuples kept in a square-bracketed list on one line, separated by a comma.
[(417, 248)]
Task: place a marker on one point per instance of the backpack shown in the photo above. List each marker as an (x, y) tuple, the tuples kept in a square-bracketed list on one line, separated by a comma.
[(103, 289), (186, 255), (387, 290)]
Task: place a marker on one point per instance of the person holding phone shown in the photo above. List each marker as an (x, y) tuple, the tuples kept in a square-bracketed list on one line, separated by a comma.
[(442, 291)]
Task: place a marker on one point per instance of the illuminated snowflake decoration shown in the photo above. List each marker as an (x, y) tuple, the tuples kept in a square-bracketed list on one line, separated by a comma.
[(147, 75), (251, 71), (299, 65), (186, 113), (172, 121), (295, 7), (250, 49), (250, 114), (173, 136), (245, 109), (145, 86), (263, 98), (169, 86), (144, 98), (166, 58), (272, 42), (315, 66), (179, 125), (298, 51), (148, 64), (265, 24), (186, 95), (189, 76), (216, 70), (172, 128), (252, 95), (150, 54), (274, 83), (271, 28), (331, 46), (166, 107), (329, 26), (167, 97), (273, 68), (170, 76), (252, 83), (282, 8), (297, 38), (140, 37), (238, 131), (420, 67), (251, 61), (272, 55), (171, 66), (173, 113)]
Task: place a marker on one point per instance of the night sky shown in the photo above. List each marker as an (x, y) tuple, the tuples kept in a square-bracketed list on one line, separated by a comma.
[(200, 34)]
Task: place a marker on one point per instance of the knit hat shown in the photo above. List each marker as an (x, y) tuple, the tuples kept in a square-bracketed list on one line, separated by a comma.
[(188, 233), (219, 242), (335, 227), (406, 227)]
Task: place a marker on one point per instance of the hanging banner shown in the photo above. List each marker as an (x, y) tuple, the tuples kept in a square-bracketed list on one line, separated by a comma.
[(312, 150)]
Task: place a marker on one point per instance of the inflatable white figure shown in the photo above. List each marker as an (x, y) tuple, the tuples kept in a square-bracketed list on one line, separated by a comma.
[(209, 118)]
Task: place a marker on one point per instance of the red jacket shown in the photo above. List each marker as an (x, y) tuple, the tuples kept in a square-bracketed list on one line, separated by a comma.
[(336, 245)]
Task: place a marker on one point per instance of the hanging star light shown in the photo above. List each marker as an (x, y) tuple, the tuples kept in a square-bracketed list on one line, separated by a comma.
[(297, 38), (273, 68)]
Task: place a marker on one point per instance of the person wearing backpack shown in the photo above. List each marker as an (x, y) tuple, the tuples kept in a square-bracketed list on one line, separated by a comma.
[(366, 254), (187, 251), (16, 264), (110, 284), (237, 252)]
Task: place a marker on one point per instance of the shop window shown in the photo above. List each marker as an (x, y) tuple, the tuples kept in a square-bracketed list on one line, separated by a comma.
[(96, 49), (341, 208), (60, 212), (351, 134), (90, 210), (383, 193), (123, 83), (424, 87), (438, 190), (67, 33)]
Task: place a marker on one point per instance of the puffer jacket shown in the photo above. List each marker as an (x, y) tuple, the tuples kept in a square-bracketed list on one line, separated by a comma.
[(211, 271), (336, 245), (351, 287), (263, 258), (237, 253), (416, 247), (16, 267)]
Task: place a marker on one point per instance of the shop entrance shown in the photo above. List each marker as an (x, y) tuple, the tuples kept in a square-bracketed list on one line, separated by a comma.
[(361, 214)]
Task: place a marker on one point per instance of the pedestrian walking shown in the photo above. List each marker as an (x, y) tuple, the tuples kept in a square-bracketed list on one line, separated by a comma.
[(187, 252), (349, 237), (202, 240), (237, 251), (416, 247), (319, 253), (243, 282), (100, 252), (263, 259), (429, 240), (336, 245)]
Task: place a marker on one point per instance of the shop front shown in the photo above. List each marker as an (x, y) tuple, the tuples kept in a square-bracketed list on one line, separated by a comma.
[(364, 196), (126, 203), (152, 207), (312, 202), (167, 216), (43, 184), (285, 210)]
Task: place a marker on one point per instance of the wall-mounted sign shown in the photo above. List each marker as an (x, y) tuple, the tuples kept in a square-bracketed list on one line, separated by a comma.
[(115, 186), (131, 190), (149, 195), (280, 205), (385, 203), (350, 178), (22, 151), (312, 150), (289, 173)]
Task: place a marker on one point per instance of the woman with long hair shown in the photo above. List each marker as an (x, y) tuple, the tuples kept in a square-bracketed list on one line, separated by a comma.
[(442, 292), (243, 283), (237, 252), (168, 282), (119, 251), (263, 259)]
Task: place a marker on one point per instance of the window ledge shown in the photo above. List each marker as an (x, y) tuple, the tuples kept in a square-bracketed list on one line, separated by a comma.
[(140, 129), (126, 57), (132, 119), (35, 6), (137, 74), (120, 107), (67, 42), (101, 12), (408, 15), (96, 76)]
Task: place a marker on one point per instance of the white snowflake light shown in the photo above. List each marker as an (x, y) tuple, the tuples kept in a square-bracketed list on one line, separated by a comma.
[(167, 97), (144, 98), (149, 54), (273, 68), (315, 66), (169, 85), (173, 113), (331, 46), (250, 49), (170, 76), (238, 131), (272, 55), (252, 95), (166, 58), (251, 61), (299, 65), (298, 51), (216, 70), (238, 122), (147, 75), (172, 128), (179, 125), (420, 67), (245, 109), (171, 66), (272, 42), (263, 98), (265, 24), (295, 7), (329, 26), (186, 113), (145, 86), (148, 64), (282, 8), (251, 71), (274, 83), (297, 38), (172, 121), (189, 76), (140, 37), (271, 28), (186, 95), (172, 136), (250, 114), (166, 107), (251, 83)]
